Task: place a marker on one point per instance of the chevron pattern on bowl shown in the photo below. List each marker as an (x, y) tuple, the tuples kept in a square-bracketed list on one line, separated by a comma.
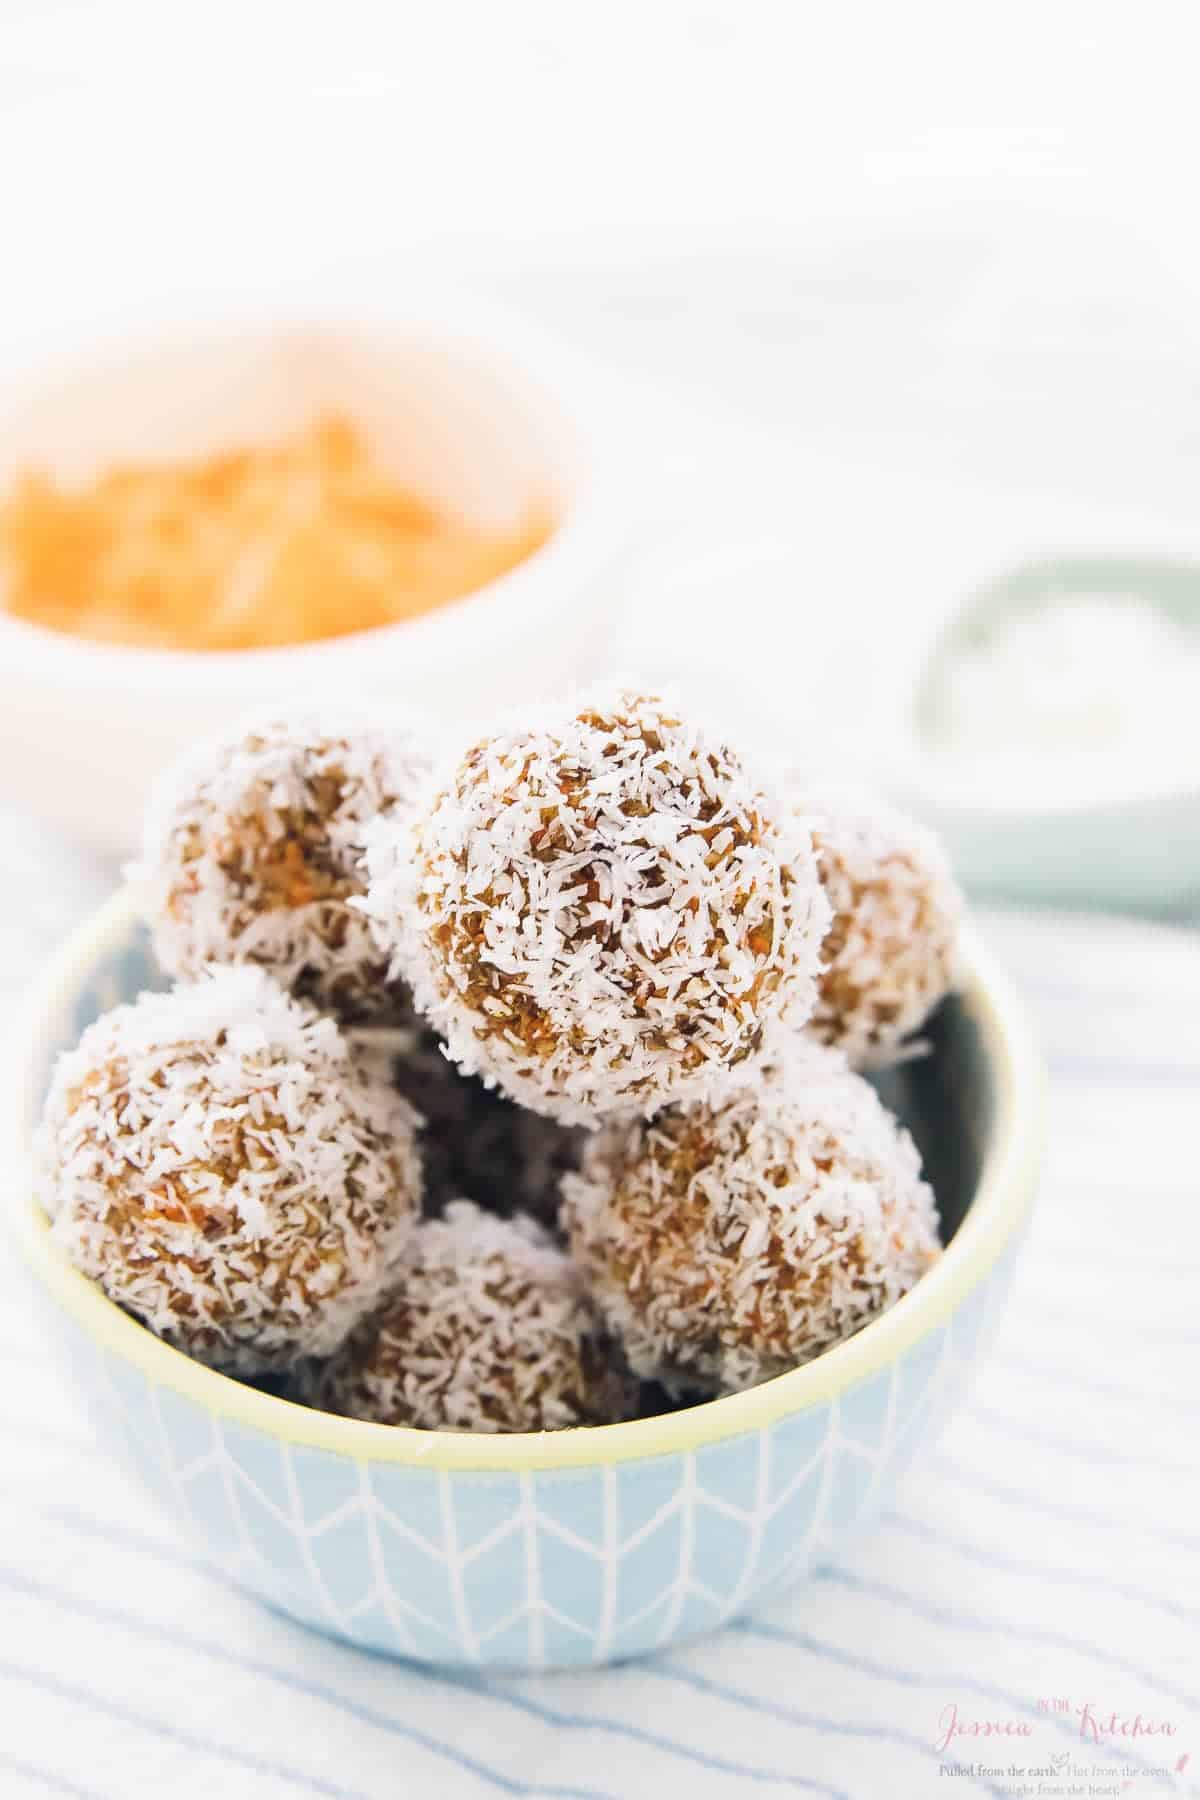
[(570, 1548)]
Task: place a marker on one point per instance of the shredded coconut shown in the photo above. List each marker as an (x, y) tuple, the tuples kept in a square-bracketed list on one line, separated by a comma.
[(487, 1328), (727, 1243), (601, 908), (217, 1160), (891, 952), (253, 844), (1075, 698)]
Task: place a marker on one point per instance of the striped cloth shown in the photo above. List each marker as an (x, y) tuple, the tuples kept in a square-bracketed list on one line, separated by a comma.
[(1042, 1559)]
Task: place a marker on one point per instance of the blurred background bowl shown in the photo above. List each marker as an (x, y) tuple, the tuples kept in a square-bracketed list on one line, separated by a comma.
[(572, 1547), (469, 406), (1123, 832)]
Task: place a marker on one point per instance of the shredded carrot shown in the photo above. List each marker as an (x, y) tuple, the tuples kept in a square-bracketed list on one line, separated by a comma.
[(257, 547)]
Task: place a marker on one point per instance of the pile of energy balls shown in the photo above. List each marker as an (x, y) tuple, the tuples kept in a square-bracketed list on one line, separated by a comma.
[(507, 1083)]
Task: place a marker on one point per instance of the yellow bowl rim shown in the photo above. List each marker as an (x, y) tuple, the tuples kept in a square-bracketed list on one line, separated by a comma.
[(1005, 1192)]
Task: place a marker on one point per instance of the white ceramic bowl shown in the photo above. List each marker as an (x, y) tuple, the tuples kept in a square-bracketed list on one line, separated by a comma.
[(1139, 848), (469, 405)]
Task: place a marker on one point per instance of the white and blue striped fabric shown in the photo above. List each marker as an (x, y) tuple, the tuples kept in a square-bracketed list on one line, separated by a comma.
[(1043, 1558)]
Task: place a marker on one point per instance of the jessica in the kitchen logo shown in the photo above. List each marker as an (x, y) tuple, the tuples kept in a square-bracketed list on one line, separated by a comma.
[(1096, 1725)]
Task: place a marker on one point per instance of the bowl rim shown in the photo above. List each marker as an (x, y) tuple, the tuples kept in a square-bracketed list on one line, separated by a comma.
[(1003, 1196), (591, 526)]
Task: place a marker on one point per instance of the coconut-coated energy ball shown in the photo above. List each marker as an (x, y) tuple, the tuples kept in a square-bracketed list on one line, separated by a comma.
[(486, 1328), (217, 1160), (890, 955), (728, 1242), (601, 908), (253, 844)]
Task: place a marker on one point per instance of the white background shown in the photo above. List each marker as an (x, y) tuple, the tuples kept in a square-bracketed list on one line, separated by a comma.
[(298, 134)]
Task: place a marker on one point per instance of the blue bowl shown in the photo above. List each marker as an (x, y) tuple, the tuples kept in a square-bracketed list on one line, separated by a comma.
[(561, 1548)]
